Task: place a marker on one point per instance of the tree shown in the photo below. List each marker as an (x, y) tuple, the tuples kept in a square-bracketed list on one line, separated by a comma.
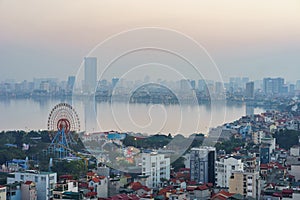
[(287, 138)]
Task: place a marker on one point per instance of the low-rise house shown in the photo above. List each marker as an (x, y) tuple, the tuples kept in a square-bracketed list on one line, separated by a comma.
[(28, 191)]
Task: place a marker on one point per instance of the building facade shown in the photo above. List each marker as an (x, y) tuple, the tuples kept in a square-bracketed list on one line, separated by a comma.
[(203, 164), (156, 167), (90, 75), (2, 192), (245, 183), (249, 93), (225, 167), (45, 182), (273, 85), (28, 191)]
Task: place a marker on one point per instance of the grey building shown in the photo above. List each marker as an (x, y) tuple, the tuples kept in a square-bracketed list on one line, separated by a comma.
[(90, 75), (203, 164)]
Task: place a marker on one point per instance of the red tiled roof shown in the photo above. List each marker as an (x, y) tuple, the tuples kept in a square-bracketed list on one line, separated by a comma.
[(90, 194), (136, 186), (202, 187), (96, 180), (209, 184), (67, 176), (191, 188), (287, 191), (222, 195), (90, 174)]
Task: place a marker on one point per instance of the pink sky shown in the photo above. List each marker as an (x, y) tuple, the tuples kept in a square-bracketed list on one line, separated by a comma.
[(57, 34)]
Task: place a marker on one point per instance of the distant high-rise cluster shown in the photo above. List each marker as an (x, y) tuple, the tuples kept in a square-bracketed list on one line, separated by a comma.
[(236, 89), (274, 86)]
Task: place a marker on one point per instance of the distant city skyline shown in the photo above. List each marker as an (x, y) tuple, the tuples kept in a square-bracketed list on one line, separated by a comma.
[(51, 38), (153, 79)]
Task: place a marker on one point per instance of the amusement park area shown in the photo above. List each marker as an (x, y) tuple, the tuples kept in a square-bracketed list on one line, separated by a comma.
[(62, 162)]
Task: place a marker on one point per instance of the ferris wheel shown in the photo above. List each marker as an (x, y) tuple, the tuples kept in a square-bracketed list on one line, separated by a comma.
[(64, 116), (63, 122)]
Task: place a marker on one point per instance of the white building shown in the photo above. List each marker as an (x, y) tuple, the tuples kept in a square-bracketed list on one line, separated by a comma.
[(45, 181), (295, 151), (100, 186), (2, 192), (187, 160), (224, 169), (295, 171), (156, 167)]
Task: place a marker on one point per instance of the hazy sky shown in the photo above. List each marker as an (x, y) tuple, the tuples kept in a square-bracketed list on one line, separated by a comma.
[(245, 38)]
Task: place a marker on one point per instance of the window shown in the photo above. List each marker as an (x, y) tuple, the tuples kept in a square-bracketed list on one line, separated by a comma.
[(36, 179)]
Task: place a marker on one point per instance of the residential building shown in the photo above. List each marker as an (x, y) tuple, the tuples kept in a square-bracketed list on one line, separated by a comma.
[(264, 154), (100, 186), (295, 150), (28, 191), (224, 168), (156, 167), (295, 171), (245, 183), (257, 136), (65, 186), (13, 191), (2, 192), (203, 164), (45, 181)]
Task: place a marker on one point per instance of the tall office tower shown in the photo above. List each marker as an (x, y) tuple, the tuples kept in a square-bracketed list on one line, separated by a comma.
[(268, 86), (201, 85), (203, 164), (156, 167), (193, 84), (114, 82), (71, 82), (219, 88), (292, 88), (298, 85), (235, 83), (90, 75), (273, 85), (278, 85), (249, 93)]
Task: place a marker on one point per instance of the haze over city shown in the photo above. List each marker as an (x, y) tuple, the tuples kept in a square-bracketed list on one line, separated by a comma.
[(149, 100), (51, 38)]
